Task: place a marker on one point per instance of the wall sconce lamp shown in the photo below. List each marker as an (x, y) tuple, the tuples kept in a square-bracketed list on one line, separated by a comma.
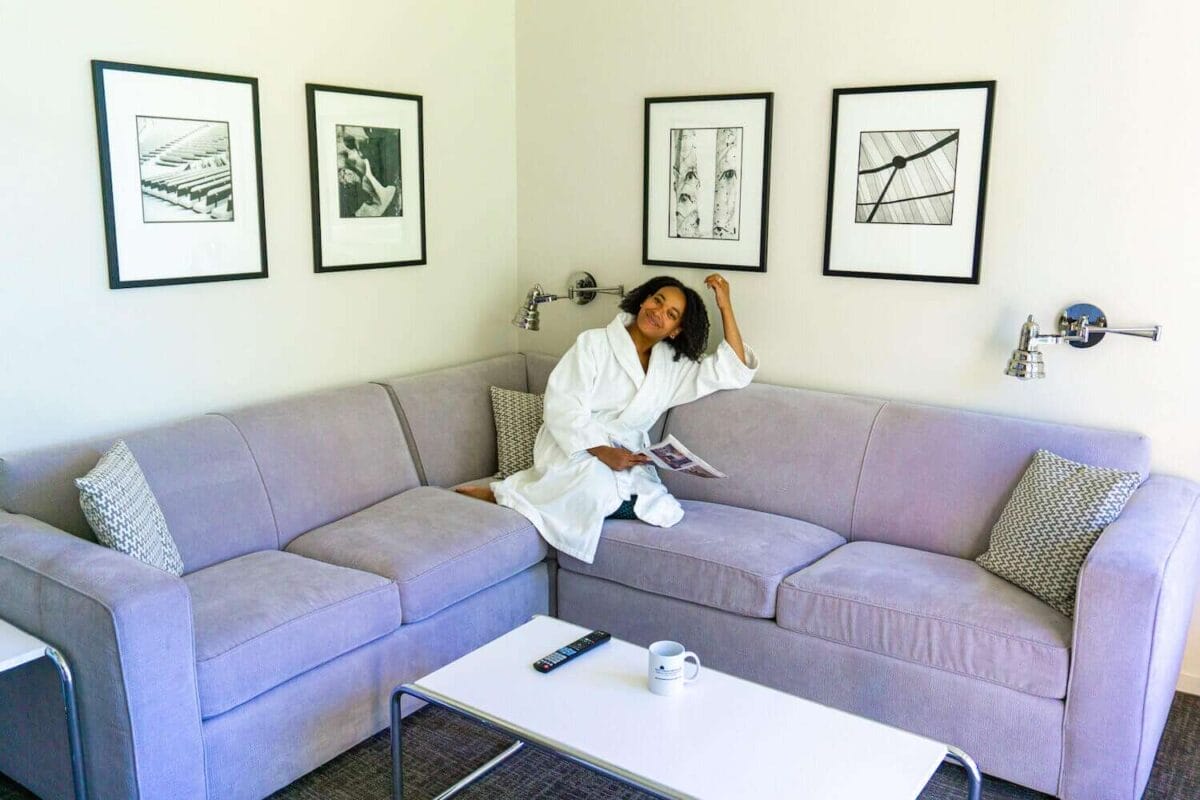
[(1080, 325), (581, 290)]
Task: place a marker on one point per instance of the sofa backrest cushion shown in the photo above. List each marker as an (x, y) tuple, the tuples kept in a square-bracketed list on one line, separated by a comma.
[(937, 478), (448, 415), (41, 484), (538, 367), (786, 451), (208, 486), (325, 455)]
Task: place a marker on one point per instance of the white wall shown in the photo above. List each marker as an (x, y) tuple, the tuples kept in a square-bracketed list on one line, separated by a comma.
[(78, 359), (1092, 194)]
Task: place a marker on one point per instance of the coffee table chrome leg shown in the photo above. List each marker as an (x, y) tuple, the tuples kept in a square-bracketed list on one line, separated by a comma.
[(974, 779), (397, 754), (481, 771), (73, 741)]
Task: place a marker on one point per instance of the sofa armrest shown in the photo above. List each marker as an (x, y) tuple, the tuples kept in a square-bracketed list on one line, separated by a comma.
[(126, 630), (1136, 594)]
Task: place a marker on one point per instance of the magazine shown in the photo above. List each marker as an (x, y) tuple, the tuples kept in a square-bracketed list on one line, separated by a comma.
[(672, 455)]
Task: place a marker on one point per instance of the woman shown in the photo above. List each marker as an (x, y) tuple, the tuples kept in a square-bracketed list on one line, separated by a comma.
[(601, 400)]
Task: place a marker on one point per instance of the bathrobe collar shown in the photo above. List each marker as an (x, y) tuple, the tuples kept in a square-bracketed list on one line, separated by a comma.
[(624, 349)]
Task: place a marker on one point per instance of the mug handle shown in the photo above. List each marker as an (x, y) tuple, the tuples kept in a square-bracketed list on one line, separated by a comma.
[(696, 674)]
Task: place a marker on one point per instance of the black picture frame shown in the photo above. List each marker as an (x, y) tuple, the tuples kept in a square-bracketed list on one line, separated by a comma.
[(171, 227), (715, 246), (950, 244), (392, 209)]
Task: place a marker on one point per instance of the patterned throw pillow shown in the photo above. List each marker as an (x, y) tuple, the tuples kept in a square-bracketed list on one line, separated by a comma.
[(118, 504), (518, 418), (1055, 515)]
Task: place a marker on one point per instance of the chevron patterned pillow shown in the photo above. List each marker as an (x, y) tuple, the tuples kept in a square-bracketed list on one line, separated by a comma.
[(1055, 515), (518, 418), (118, 504)]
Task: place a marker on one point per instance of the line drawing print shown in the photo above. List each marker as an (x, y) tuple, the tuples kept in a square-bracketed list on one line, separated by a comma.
[(699, 208), (907, 177)]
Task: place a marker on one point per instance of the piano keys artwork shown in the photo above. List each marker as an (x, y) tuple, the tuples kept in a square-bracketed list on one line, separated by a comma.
[(181, 175), (185, 170)]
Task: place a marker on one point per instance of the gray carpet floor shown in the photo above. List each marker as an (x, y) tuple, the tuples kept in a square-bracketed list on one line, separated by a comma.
[(441, 747)]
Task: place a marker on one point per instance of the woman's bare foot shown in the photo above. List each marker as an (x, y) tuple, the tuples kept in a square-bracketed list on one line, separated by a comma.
[(478, 492)]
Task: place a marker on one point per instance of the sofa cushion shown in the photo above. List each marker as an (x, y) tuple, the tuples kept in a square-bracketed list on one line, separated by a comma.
[(264, 618), (438, 546), (931, 609), (538, 367), (719, 556), (518, 417), (1057, 512), (937, 478), (123, 512), (787, 451), (448, 416), (327, 454), (209, 488)]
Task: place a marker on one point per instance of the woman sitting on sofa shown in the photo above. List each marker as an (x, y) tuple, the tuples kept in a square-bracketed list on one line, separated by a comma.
[(601, 400)]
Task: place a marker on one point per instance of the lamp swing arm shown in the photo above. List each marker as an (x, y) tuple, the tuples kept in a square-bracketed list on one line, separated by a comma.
[(1080, 329)]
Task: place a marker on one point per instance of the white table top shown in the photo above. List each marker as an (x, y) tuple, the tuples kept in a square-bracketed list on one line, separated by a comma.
[(18, 647), (721, 737)]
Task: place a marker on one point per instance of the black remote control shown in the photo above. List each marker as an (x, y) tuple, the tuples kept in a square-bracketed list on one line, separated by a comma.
[(575, 649)]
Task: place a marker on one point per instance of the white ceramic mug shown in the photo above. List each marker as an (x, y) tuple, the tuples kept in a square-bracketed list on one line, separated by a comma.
[(666, 668)]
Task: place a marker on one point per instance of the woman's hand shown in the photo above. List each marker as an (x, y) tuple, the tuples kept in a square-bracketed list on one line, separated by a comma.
[(720, 288), (733, 336), (618, 458)]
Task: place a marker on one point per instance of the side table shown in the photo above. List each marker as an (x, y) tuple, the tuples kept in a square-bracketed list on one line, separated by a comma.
[(16, 648)]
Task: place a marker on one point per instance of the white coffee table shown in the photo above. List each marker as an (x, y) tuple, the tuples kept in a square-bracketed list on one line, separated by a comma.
[(722, 737), (17, 648)]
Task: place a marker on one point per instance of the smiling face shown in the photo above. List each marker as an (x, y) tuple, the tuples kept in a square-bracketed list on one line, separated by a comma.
[(661, 314)]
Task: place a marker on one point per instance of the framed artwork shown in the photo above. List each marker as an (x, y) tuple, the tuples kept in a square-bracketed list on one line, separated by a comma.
[(706, 180), (366, 158), (907, 179), (181, 175)]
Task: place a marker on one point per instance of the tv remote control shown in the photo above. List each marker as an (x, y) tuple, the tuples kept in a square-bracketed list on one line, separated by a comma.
[(575, 649)]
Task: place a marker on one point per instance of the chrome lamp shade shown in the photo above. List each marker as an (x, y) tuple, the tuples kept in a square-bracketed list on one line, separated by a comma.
[(1026, 362), (527, 317)]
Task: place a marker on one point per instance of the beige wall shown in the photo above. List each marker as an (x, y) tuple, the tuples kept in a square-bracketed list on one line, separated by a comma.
[(77, 359), (1092, 195)]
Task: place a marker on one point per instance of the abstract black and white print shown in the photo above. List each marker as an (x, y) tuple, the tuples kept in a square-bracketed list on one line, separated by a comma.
[(185, 170), (906, 177), (368, 164), (706, 183)]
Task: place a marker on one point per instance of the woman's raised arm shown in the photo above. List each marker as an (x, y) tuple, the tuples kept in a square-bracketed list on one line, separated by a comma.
[(733, 335)]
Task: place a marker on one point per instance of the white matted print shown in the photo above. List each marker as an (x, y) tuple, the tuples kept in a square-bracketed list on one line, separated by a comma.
[(907, 181), (366, 161), (181, 175), (707, 175)]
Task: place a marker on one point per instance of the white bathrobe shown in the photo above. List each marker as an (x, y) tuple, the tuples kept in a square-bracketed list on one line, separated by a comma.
[(599, 395)]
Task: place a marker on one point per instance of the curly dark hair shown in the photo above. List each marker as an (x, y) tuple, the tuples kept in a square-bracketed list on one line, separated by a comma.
[(692, 339)]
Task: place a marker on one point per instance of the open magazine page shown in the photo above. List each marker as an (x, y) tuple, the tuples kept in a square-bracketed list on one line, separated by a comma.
[(670, 454)]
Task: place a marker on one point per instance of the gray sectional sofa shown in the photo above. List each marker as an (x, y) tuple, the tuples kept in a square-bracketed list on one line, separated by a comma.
[(325, 562)]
